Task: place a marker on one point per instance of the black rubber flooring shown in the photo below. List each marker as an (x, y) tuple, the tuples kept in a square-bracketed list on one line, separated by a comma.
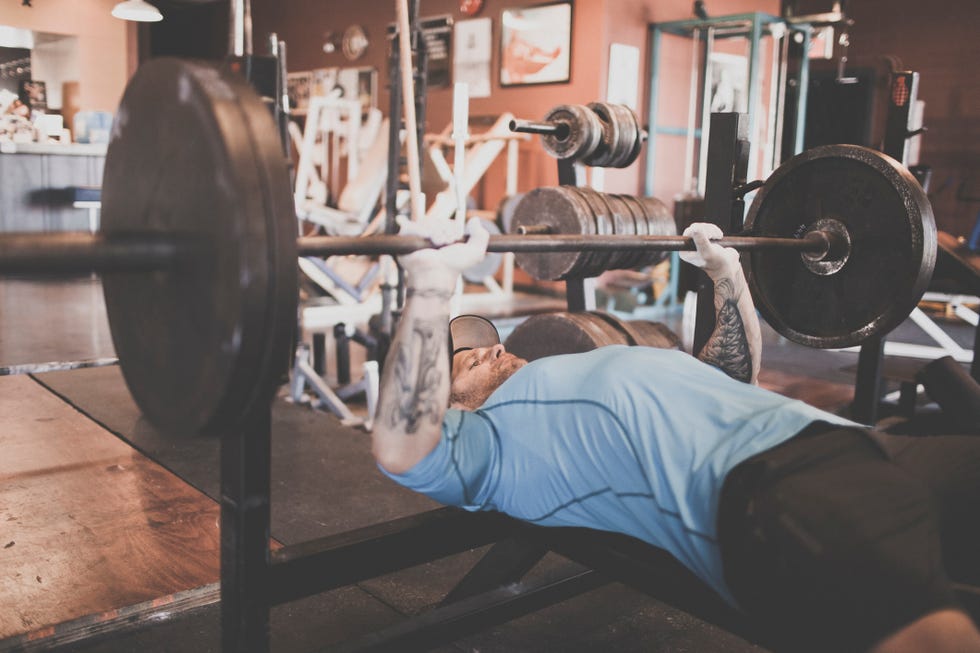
[(324, 481)]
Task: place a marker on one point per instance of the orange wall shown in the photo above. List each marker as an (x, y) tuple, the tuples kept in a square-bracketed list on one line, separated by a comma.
[(106, 45), (596, 25), (627, 22)]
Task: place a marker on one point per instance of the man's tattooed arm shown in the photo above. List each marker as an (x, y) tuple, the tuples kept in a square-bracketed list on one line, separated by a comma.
[(735, 344), (414, 391), (416, 378)]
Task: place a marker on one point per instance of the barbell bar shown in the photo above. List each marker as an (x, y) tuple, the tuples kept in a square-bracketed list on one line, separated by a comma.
[(559, 130), (598, 134), (816, 243), (82, 252)]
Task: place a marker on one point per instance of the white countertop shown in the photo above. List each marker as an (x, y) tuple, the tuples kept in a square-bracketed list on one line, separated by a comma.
[(87, 149)]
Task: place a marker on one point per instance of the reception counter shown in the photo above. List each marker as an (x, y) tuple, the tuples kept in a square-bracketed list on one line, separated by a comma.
[(33, 179)]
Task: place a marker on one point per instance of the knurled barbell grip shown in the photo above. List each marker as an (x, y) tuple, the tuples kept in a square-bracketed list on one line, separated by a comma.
[(815, 241)]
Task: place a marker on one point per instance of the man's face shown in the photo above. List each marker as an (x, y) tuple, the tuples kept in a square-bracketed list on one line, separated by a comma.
[(478, 372)]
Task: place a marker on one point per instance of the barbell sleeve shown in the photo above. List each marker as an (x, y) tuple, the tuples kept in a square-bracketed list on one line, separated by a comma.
[(560, 130), (79, 252)]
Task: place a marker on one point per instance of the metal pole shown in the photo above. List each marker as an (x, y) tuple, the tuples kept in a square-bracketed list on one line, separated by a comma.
[(654, 80), (816, 241), (240, 28), (245, 563), (561, 130), (81, 252)]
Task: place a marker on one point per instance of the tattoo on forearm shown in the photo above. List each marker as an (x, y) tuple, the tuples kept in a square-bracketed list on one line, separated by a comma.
[(728, 347), (416, 378)]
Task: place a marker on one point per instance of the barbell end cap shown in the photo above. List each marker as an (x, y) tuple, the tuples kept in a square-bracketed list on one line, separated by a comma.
[(836, 251)]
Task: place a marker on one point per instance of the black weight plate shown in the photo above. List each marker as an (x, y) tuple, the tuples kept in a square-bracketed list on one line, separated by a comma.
[(584, 132), (563, 212), (194, 155), (893, 246), (624, 223), (660, 222), (627, 335), (549, 334), (640, 135), (603, 154), (588, 262), (654, 334), (602, 333), (553, 334), (642, 228), (629, 133), (644, 333), (598, 261)]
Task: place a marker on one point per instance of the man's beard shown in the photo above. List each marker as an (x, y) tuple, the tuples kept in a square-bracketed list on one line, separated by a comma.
[(474, 398)]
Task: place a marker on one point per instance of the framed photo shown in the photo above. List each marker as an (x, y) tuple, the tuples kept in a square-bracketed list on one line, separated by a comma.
[(34, 94), (298, 87), (536, 44), (729, 82)]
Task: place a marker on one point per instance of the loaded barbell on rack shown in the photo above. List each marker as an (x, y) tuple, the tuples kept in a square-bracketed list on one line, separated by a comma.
[(198, 245), (599, 134)]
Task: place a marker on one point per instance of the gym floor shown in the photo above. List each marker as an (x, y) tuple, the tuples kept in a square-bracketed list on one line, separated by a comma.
[(103, 517)]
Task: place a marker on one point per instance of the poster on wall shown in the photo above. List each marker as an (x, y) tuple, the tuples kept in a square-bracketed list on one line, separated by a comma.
[(624, 75), (438, 36), (359, 84), (34, 94), (474, 45), (535, 44), (324, 82), (298, 86), (729, 82)]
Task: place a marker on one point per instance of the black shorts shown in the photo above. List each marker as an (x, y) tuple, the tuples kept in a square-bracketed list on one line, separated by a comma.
[(828, 544)]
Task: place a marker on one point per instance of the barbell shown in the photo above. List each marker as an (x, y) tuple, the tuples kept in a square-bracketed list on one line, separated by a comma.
[(198, 245), (599, 134)]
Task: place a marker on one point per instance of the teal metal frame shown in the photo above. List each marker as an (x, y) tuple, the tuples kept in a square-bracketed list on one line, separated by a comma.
[(753, 26)]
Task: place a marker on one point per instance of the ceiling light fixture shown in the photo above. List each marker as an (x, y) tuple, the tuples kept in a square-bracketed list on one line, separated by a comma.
[(138, 10)]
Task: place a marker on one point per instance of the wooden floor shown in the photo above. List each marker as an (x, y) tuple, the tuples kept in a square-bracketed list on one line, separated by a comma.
[(87, 524)]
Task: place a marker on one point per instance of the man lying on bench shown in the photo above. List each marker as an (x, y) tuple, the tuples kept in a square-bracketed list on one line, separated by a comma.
[(799, 518)]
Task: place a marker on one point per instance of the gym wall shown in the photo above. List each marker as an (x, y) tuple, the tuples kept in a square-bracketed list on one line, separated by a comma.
[(596, 25), (106, 45), (939, 41)]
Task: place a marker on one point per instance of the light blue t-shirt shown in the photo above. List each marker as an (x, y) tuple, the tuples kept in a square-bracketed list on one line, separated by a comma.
[(633, 440)]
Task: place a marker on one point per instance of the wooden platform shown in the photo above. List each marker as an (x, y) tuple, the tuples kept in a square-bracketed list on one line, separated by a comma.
[(88, 525)]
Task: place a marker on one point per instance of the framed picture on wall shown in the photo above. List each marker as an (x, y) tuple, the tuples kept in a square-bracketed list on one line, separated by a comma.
[(536, 44)]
